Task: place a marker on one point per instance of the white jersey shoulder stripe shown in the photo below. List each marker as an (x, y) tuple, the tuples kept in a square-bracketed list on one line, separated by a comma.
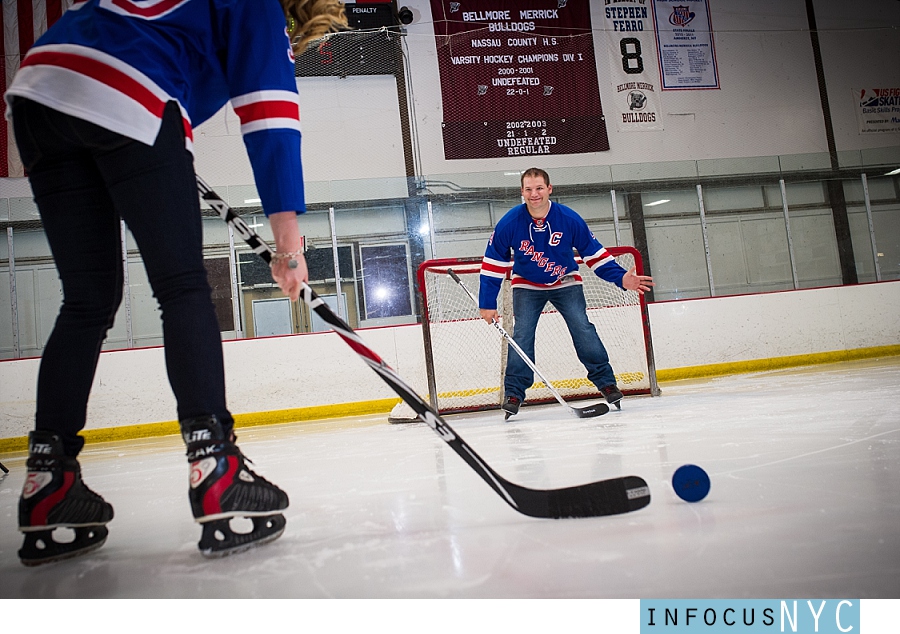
[(267, 110), (270, 124), (504, 263), (265, 95), (601, 262)]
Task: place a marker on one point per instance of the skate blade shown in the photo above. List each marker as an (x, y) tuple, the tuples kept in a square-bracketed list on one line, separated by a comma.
[(40, 548), (218, 540)]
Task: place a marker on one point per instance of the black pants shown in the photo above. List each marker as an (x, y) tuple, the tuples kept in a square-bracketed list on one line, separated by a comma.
[(85, 178)]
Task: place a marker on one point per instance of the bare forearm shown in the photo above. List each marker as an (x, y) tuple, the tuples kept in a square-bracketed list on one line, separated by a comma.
[(289, 271)]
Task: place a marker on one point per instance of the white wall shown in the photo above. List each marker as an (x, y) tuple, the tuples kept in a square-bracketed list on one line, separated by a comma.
[(351, 131), (768, 103), (314, 370), (860, 49), (782, 324)]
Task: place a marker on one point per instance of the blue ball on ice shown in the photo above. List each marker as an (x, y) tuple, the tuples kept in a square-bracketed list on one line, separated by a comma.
[(690, 482)]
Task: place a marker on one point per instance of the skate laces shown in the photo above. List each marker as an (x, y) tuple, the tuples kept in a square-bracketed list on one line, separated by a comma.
[(245, 460), (254, 474)]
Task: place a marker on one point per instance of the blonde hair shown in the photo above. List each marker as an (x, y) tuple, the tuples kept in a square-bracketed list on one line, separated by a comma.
[(309, 20)]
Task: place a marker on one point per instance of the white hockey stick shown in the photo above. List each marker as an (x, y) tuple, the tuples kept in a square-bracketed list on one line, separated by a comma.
[(581, 412)]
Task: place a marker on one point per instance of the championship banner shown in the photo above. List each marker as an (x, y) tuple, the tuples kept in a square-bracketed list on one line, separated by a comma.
[(632, 58), (518, 78), (684, 37), (877, 109)]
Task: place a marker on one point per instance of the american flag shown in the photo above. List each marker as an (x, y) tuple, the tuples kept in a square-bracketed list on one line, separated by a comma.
[(21, 23)]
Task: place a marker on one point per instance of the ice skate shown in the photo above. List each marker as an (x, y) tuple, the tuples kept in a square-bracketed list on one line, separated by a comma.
[(511, 406), (222, 487), (612, 394), (54, 496)]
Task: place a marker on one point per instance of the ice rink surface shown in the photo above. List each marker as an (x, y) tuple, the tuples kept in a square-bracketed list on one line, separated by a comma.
[(805, 502)]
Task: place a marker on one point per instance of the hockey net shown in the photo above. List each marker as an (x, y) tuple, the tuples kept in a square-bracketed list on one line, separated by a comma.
[(465, 358)]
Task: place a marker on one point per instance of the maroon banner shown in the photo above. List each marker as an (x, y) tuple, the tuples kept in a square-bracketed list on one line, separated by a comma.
[(518, 78)]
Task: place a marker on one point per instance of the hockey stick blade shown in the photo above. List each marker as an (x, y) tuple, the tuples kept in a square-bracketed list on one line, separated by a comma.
[(606, 497), (590, 411)]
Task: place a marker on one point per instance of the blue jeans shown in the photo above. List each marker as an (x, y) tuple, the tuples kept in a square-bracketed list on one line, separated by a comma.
[(85, 178), (569, 301)]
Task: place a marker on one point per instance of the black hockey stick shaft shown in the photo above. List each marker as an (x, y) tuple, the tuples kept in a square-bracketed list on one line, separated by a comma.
[(581, 412), (4, 469), (606, 497)]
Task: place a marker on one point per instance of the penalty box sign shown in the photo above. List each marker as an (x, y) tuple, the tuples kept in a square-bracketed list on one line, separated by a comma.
[(753, 616), (370, 16)]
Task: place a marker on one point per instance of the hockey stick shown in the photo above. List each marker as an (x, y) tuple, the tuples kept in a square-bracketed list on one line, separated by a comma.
[(606, 497), (4, 469), (581, 412)]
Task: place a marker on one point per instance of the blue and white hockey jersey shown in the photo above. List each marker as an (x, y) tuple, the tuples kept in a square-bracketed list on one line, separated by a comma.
[(540, 253), (116, 63)]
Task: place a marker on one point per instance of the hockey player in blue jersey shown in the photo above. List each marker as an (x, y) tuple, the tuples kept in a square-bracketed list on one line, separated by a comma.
[(103, 109), (536, 240)]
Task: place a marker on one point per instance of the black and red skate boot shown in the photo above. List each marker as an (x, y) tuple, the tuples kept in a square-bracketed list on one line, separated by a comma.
[(54, 496), (612, 394), (511, 406), (223, 487)]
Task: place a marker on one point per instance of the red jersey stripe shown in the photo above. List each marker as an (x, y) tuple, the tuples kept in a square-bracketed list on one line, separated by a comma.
[(486, 266), (268, 110), (600, 256)]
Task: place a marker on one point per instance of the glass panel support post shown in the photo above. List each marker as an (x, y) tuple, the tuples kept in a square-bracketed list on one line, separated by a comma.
[(703, 229), (615, 214), (235, 289), (129, 326), (337, 265), (13, 302), (787, 229), (865, 184)]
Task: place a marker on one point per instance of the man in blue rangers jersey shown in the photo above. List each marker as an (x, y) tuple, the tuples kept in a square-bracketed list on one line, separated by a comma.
[(536, 240), (103, 109)]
